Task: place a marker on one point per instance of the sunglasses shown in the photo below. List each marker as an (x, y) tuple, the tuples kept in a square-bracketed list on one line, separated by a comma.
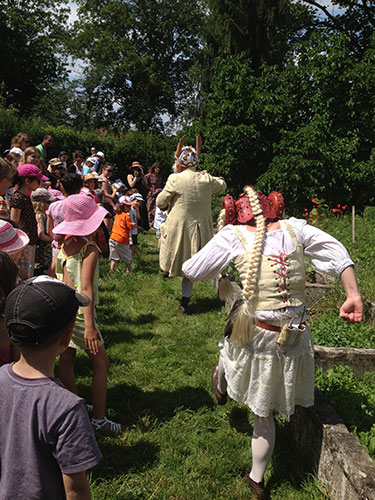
[(109, 170)]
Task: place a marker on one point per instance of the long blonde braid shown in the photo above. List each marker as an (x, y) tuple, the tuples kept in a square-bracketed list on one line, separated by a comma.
[(244, 318)]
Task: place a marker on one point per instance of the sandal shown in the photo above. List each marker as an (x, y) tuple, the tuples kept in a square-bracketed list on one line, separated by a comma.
[(106, 425), (220, 398)]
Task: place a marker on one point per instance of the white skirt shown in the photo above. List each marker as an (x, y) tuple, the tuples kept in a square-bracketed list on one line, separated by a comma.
[(265, 379)]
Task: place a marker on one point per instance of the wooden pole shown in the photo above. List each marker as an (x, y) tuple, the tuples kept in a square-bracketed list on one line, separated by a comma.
[(353, 224)]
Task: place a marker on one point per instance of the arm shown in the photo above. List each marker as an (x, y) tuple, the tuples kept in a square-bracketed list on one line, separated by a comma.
[(76, 486), (50, 227), (218, 185), (15, 215), (164, 198), (110, 197), (89, 263), (131, 180), (214, 256), (351, 311), (41, 233)]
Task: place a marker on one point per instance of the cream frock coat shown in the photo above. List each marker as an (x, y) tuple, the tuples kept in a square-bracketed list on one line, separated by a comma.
[(187, 197)]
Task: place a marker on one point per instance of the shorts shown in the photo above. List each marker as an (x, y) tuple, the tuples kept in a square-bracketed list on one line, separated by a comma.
[(134, 239), (119, 251)]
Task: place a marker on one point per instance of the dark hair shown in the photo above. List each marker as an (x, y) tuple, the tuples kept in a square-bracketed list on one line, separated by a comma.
[(151, 170), (20, 180), (72, 183), (8, 272), (78, 154), (119, 208), (47, 135)]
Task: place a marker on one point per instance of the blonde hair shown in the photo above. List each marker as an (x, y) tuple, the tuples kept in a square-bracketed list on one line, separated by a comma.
[(17, 139), (39, 208), (28, 151), (244, 317)]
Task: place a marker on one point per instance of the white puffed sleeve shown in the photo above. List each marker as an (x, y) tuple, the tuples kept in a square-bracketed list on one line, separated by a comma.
[(327, 254), (214, 256)]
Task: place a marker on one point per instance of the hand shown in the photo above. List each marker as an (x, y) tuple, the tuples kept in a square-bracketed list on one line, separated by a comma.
[(352, 310), (204, 172), (91, 339)]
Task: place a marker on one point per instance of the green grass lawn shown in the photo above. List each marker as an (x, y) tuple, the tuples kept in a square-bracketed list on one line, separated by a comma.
[(177, 445)]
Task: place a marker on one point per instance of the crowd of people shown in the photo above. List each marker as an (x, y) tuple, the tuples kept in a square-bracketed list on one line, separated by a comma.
[(57, 217)]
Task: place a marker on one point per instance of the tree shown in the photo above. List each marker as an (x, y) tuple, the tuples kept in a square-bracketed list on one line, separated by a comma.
[(32, 35), (139, 54), (353, 18)]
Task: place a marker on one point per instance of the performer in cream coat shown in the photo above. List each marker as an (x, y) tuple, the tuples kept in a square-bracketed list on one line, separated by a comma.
[(187, 197), (266, 357)]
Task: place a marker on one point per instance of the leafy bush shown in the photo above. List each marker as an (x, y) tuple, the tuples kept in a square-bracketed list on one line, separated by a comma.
[(121, 148), (331, 331), (353, 399)]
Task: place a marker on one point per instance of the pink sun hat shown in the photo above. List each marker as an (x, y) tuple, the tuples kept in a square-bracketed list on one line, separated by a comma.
[(82, 216), (56, 193), (29, 170), (11, 240)]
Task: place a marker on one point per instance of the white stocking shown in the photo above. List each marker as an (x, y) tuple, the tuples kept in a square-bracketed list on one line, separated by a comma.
[(187, 287), (262, 446)]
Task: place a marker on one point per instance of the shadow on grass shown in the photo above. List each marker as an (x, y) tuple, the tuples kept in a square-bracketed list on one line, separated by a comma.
[(130, 403), (119, 459), (202, 306), (239, 420)]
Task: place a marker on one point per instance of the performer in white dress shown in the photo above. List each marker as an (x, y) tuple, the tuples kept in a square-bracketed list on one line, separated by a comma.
[(262, 364)]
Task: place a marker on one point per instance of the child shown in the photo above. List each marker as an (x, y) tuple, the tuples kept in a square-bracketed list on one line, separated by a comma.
[(135, 217), (12, 241), (46, 440), (77, 265), (28, 178), (41, 199), (119, 248)]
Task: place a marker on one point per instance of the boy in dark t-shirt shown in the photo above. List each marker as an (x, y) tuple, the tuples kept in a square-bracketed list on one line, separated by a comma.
[(46, 439)]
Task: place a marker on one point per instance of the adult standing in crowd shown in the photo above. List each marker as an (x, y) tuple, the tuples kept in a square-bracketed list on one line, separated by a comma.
[(78, 160), (154, 182), (44, 145), (187, 197)]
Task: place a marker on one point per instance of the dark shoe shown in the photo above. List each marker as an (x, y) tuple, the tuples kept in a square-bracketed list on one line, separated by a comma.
[(165, 274), (258, 489), (220, 398), (183, 307)]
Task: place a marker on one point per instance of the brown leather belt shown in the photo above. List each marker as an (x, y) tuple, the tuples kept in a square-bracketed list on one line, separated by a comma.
[(267, 326)]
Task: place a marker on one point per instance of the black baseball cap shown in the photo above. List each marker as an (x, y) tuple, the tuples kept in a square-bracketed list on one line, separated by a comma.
[(39, 308)]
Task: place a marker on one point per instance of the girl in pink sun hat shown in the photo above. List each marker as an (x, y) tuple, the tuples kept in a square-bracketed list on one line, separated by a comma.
[(77, 266)]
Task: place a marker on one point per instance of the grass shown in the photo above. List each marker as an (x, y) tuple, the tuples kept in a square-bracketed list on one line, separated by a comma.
[(177, 445)]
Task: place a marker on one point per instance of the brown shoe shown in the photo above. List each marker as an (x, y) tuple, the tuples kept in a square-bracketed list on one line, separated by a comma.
[(183, 307), (258, 489), (220, 398)]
